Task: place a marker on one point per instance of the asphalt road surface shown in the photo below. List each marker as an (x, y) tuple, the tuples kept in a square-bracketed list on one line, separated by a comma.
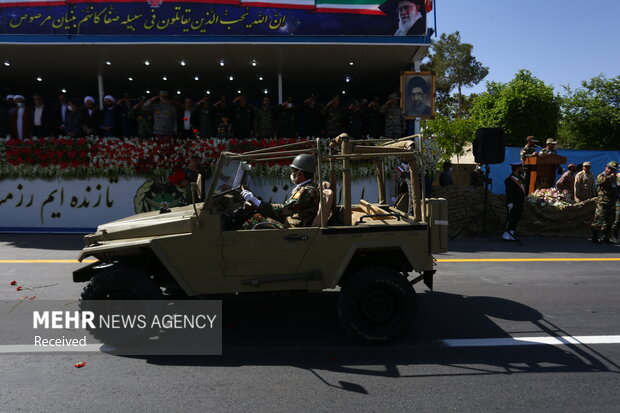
[(508, 327)]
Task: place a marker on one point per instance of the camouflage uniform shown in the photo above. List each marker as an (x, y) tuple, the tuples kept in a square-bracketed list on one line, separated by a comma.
[(584, 186), (334, 120), (144, 120), (605, 202), (298, 211), (264, 122), (547, 151), (394, 121), (527, 152), (616, 226)]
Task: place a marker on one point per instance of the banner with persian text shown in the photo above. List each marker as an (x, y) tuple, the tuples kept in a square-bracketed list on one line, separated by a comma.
[(218, 17)]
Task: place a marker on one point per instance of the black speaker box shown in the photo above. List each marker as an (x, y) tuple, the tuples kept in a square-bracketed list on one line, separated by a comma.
[(489, 146)]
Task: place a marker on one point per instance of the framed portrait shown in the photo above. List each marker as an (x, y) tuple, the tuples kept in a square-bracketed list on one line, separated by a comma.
[(418, 94)]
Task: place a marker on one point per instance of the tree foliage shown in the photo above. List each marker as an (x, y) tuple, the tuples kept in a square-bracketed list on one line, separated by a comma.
[(451, 134), (454, 67), (524, 106), (591, 114)]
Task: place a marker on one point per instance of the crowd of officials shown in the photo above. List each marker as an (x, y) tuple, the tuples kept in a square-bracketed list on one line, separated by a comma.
[(169, 117), (577, 183)]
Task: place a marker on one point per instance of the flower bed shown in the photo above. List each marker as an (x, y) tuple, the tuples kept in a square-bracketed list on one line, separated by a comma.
[(83, 158), (550, 196)]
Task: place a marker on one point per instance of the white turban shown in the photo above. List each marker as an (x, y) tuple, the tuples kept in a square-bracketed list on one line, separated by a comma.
[(110, 98), (89, 98), (15, 97)]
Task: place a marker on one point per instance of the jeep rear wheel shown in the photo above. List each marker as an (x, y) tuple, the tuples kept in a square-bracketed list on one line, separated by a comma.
[(376, 305)]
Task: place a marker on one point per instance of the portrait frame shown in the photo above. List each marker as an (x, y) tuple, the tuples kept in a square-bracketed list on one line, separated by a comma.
[(427, 109)]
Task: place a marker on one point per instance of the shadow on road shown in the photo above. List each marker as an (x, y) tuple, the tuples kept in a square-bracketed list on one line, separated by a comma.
[(537, 245), (66, 242), (303, 332)]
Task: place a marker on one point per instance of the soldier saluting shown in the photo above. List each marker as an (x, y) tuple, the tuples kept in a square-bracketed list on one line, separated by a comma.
[(605, 202), (303, 205)]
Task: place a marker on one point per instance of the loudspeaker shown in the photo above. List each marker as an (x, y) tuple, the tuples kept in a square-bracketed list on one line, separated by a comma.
[(489, 146)]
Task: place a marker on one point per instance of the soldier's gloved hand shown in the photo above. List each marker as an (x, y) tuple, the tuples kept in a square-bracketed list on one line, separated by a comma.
[(510, 205), (250, 197)]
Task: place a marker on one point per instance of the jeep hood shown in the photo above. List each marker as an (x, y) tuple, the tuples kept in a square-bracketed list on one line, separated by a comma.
[(148, 224)]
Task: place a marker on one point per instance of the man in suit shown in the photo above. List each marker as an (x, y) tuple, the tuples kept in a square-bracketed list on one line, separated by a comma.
[(44, 122), (515, 196)]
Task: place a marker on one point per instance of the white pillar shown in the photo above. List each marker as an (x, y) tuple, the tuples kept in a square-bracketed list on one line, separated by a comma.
[(100, 86), (280, 99)]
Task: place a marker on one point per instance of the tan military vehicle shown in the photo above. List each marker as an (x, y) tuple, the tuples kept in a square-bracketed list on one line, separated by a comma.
[(366, 250)]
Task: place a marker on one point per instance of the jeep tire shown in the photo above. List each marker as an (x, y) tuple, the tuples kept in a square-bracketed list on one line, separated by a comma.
[(376, 305), (119, 282)]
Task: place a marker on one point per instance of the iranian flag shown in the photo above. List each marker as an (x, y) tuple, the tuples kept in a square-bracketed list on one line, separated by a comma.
[(350, 6), (30, 3), (285, 4)]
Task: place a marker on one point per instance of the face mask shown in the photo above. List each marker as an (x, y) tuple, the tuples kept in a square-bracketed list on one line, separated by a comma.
[(20, 104)]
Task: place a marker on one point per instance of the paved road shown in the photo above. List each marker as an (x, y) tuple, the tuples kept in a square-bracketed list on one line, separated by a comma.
[(287, 353)]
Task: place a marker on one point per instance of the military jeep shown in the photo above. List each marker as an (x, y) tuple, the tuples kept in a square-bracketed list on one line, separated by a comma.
[(366, 250)]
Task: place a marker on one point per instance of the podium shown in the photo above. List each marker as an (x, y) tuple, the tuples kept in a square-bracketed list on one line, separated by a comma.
[(541, 170)]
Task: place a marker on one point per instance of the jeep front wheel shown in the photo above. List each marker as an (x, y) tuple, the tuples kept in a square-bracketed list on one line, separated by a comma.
[(376, 305)]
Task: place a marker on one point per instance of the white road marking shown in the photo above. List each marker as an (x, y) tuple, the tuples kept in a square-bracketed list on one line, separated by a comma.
[(31, 348), (468, 342), (530, 341)]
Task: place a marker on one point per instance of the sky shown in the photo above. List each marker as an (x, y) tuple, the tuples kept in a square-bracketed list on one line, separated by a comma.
[(560, 42)]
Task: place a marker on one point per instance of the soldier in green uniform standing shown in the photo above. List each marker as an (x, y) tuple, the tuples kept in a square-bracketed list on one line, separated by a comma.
[(617, 221), (302, 206), (394, 120), (605, 203), (528, 151), (549, 148)]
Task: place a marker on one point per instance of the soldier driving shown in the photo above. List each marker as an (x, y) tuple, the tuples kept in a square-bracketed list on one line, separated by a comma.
[(302, 206)]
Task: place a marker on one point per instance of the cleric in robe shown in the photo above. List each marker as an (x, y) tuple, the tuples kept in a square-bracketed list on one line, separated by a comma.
[(411, 16)]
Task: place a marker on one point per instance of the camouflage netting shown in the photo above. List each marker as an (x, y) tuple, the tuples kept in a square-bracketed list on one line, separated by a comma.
[(465, 206)]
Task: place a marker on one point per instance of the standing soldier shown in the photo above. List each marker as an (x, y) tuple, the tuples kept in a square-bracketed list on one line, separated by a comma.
[(549, 148), (528, 151), (567, 182), (617, 221), (335, 116), (264, 120), (394, 120), (515, 195), (584, 183), (605, 203)]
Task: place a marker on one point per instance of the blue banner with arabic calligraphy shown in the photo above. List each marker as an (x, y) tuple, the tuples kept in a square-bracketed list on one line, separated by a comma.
[(199, 19)]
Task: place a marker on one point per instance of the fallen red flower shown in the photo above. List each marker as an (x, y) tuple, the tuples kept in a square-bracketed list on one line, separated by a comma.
[(80, 364), (13, 282), (19, 288)]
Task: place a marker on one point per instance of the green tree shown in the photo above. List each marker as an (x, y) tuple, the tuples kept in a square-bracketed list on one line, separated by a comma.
[(524, 106), (454, 67), (591, 114), (451, 134)]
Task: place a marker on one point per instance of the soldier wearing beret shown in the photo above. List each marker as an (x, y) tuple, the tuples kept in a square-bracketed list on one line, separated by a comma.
[(605, 203)]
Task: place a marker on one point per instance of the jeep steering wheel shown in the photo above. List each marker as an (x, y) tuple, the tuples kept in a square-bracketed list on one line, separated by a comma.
[(268, 225)]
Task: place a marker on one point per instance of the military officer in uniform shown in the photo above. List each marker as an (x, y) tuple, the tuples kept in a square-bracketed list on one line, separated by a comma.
[(528, 151), (399, 189), (515, 196), (300, 209), (616, 226), (605, 203), (394, 120), (549, 148), (584, 183)]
